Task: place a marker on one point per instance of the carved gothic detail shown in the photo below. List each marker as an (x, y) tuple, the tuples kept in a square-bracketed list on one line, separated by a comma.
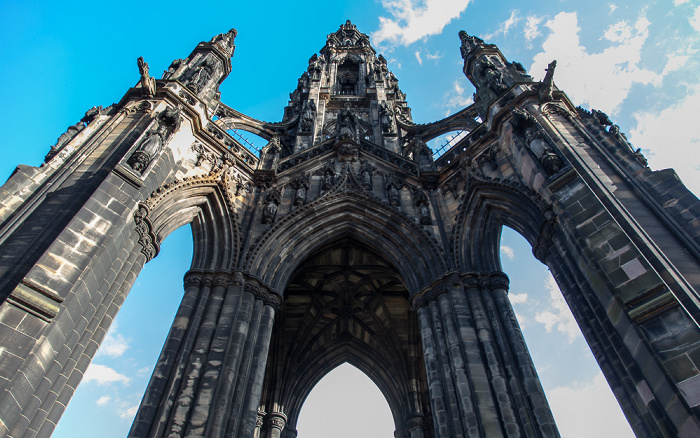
[(546, 87), (148, 83), (422, 204), (153, 141), (272, 200), (147, 238)]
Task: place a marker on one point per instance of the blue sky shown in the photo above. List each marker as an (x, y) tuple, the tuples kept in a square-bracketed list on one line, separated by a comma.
[(636, 60)]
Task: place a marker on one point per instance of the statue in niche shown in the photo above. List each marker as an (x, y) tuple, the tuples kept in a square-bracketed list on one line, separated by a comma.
[(152, 143), (272, 201), (315, 67), (492, 77), (301, 188), (547, 84), (387, 118), (366, 174), (469, 43), (63, 139), (549, 159), (392, 190), (226, 40), (308, 116), (346, 124), (328, 175), (147, 82), (201, 76), (421, 203)]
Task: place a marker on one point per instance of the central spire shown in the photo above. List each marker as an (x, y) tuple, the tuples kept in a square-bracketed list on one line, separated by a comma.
[(347, 92)]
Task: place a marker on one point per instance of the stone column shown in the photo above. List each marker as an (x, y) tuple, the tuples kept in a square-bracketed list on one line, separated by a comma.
[(277, 421), (259, 423), (480, 377), (209, 376)]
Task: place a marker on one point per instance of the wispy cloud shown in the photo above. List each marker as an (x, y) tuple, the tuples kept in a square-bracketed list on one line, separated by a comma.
[(420, 61), (518, 298), (532, 27), (103, 400), (456, 98), (113, 345), (104, 375), (507, 251), (504, 27), (620, 62), (557, 314), (411, 21)]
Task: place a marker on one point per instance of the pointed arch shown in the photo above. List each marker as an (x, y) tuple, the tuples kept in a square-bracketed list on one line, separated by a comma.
[(204, 202), (414, 253), (486, 207)]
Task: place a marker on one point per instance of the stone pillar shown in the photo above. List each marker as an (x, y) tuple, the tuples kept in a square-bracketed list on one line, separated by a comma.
[(480, 377), (277, 421), (209, 377), (259, 423)]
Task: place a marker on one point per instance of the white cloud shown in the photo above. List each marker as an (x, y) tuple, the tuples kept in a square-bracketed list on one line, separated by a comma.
[(613, 7), (557, 314), (104, 375), (103, 400), (573, 407), (695, 19), (411, 21), (505, 27), (433, 56), (679, 2), (128, 413), (667, 136), (507, 251), (113, 345), (420, 61), (602, 80), (532, 29), (517, 298), (456, 98)]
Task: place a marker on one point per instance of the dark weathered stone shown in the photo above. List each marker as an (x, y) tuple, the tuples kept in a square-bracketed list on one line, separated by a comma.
[(347, 242)]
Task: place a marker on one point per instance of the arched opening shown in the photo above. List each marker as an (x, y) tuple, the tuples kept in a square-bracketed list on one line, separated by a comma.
[(116, 380), (581, 400), (348, 77), (345, 392), (344, 303)]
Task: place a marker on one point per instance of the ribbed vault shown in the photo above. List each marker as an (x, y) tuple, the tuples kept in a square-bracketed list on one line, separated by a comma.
[(345, 303)]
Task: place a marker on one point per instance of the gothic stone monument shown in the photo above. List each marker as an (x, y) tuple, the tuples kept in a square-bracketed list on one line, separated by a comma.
[(346, 241)]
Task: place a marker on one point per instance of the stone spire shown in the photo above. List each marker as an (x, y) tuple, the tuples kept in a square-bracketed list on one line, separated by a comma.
[(208, 65)]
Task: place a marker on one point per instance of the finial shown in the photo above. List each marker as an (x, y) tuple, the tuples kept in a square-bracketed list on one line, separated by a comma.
[(147, 82)]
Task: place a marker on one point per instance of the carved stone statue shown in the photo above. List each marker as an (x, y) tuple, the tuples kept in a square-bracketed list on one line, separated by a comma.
[(147, 82), (346, 124), (619, 136), (392, 191), (226, 41), (469, 43), (492, 77), (421, 202), (272, 201), (201, 76), (601, 117), (547, 84), (387, 118), (301, 188), (308, 116), (152, 143), (365, 172), (168, 74)]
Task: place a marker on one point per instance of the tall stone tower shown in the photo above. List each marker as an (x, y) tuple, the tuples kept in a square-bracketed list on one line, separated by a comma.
[(346, 241)]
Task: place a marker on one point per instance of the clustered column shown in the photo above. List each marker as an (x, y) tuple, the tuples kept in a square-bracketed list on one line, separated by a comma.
[(208, 379), (480, 375)]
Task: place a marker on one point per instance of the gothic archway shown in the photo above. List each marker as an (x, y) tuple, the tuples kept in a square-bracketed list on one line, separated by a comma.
[(344, 303)]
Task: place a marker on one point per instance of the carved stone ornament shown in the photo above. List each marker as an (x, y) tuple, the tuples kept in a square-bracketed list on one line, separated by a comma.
[(422, 207), (469, 43), (148, 83), (386, 115), (144, 228), (226, 41), (365, 173), (238, 278), (392, 191), (308, 116), (547, 84), (66, 137), (543, 243), (328, 175), (153, 141), (301, 188), (347, 151), (272, 202)]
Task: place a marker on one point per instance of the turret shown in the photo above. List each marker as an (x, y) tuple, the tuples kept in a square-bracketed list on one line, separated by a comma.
[(347, 93), (489, 71), (206, 68)]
